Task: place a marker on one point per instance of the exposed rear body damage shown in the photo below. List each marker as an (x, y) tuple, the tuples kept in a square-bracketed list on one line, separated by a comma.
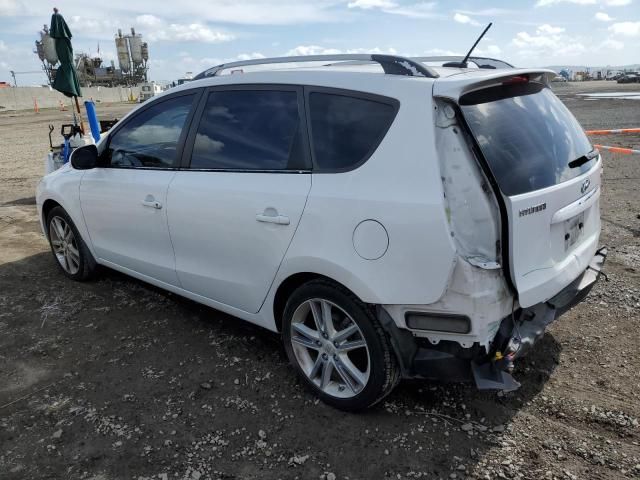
[(522, 188), (544, 173)]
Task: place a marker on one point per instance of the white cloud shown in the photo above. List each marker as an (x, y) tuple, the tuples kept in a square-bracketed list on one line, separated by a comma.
[(254, 12), (603, 17), (194, 32), (246, 12), (547, 41), (387, 51), (461, 18), (526, 40), (368, 4), (489, 12), (3, 46), (608, 3), (415, 10), (610, 44), (546, 28), (311, 50), (187, 63), (97, 28), (318, 50), (148, 20), (489, 51), (544, 3), (439, 52), (250, 56), (627, 29), (10, 8)]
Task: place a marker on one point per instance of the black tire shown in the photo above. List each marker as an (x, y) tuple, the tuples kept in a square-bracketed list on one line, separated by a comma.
[(384, 372), (87, 265)]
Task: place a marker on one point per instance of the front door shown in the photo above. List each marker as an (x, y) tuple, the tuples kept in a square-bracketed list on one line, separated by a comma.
[(124, 202), (235, 207)]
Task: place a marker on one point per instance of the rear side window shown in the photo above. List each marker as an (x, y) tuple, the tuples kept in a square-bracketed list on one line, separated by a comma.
[(528, 137), (150, 139), (249, 130), (346, 130)]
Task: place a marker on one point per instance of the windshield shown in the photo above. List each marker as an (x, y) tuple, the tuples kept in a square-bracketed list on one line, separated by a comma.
[(527, 135)]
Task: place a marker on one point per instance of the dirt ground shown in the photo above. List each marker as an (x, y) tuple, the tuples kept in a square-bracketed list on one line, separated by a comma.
[(116, 379)]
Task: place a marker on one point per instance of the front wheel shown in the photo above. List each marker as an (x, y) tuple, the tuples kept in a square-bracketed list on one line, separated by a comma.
[(68, 248), (338, 347)]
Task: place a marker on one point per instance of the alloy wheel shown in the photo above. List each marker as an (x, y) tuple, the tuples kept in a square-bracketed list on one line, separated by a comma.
[(65, 247), (330, 348)]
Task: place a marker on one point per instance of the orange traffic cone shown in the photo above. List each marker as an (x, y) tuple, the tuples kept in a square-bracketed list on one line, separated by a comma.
[(35, 106)]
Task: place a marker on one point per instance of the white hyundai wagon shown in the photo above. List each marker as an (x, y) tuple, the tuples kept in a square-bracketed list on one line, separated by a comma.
[(390, 219)]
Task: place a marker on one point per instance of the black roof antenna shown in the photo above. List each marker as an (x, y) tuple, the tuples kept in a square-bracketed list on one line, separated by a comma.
[(463, 63)]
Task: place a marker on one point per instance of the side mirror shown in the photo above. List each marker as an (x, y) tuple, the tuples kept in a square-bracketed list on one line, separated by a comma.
[(85, 158)]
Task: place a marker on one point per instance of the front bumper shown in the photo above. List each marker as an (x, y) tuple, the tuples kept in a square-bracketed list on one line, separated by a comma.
[(516, 337)]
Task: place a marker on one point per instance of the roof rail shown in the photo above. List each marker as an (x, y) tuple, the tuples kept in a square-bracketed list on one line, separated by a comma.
[(488, 61), (391, 64)]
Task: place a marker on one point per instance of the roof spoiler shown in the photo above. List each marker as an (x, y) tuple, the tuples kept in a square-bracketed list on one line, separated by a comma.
[(456, 86)]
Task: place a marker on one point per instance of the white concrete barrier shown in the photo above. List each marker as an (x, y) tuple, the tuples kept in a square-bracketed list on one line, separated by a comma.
[(23, 98)]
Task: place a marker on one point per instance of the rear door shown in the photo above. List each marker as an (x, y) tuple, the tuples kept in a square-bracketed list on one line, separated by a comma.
[(234, 207), (549, 178)]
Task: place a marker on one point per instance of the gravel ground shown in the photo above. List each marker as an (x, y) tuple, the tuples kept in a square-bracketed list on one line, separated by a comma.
[(116, 379)]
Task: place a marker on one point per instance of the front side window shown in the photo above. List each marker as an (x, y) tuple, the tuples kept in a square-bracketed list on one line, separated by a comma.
[(249, 130), (346, 130), (150, 139)]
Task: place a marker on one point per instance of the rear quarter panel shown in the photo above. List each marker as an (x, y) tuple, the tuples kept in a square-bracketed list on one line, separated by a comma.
[(400, 187)]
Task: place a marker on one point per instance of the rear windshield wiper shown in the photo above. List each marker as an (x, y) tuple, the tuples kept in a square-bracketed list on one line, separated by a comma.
[(583, 159)]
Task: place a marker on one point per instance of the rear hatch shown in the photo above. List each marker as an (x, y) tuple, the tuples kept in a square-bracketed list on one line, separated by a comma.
[(544, 170)]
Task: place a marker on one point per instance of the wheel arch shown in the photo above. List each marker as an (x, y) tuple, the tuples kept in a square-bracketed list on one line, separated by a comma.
[(75, 213), (289, 285), (48, 205)]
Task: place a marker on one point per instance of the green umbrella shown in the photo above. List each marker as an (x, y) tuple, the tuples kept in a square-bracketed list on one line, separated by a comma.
[(66, 80)]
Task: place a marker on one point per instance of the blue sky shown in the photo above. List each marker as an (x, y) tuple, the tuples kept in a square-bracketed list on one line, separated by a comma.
[(191, 35)]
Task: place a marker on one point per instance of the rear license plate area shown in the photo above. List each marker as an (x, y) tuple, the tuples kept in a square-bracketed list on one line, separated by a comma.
[(573, 230)]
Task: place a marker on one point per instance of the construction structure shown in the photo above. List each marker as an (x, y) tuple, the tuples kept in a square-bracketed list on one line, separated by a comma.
[(132, 53)]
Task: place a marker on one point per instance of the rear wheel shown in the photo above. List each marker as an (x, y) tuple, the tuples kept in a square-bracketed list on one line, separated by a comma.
[(71, 253), (338, 347)]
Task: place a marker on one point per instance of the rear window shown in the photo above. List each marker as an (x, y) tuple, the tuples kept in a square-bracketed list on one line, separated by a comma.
[(249, 130), (346, 130), (529, 138)]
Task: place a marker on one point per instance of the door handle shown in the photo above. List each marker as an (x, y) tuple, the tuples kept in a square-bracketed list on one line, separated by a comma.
[(277, 219), (152, 203)]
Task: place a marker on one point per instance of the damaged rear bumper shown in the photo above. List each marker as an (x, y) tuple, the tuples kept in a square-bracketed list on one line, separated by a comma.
[(519, 333), (516, 337)]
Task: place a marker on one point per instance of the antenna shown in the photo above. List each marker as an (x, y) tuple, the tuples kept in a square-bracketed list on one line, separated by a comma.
[(463, 63)]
